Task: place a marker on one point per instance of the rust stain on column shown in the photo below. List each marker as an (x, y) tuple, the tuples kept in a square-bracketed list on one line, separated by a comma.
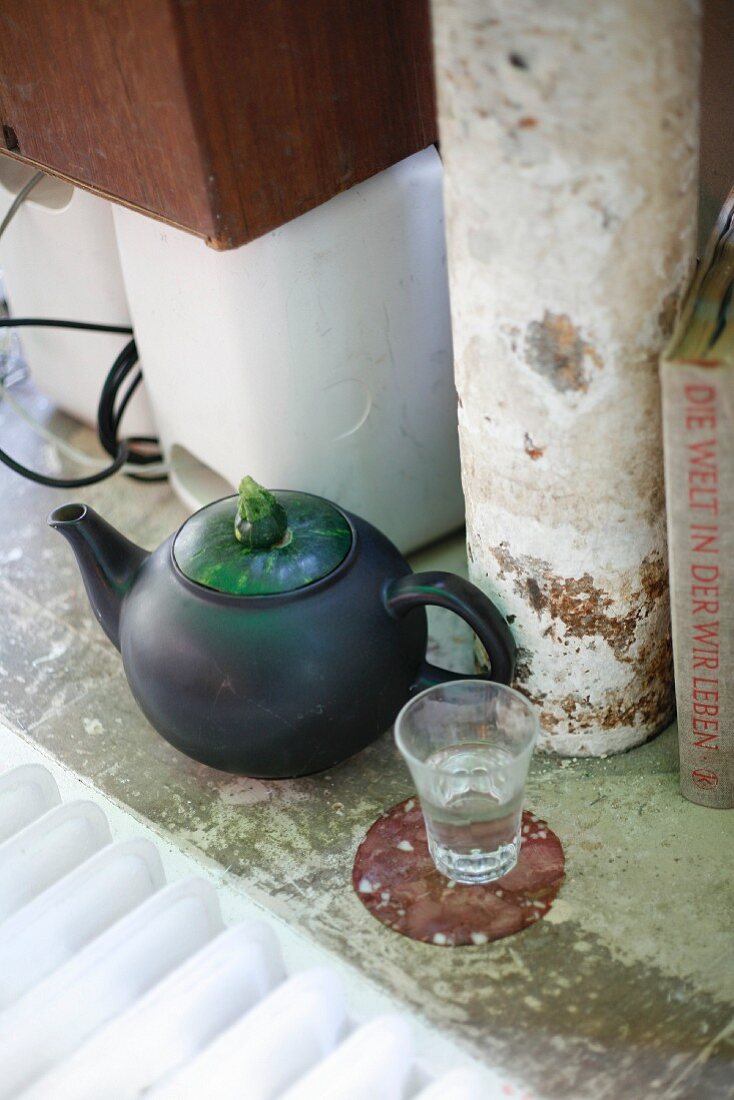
[(575, 609), (557, 350), (569, 139)]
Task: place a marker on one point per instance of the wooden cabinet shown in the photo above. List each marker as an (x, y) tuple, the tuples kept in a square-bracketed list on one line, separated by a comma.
[(224, 117)]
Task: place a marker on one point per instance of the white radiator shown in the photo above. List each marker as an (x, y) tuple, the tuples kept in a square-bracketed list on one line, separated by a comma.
[(115, 985)]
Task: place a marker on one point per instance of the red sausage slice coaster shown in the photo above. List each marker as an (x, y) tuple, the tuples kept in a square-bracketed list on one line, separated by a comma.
[(394, 877)]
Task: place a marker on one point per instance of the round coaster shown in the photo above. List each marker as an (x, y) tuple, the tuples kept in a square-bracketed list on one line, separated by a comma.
[(394, 877)]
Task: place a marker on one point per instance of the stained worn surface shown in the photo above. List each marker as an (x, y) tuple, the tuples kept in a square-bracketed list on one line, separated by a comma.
[(569, 140), (626, 988)]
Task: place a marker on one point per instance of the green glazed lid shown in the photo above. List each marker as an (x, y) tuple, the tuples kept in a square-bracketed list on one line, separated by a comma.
[(262, 543)]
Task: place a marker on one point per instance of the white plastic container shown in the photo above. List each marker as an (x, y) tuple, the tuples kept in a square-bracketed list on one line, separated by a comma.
[(317, 357), (60, 260)]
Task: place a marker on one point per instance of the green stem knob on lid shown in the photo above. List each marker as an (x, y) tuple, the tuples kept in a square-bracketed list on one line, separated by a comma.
[(261, 522)]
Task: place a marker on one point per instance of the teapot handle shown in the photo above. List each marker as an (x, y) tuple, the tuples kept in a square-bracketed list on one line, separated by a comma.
[(469, 603)]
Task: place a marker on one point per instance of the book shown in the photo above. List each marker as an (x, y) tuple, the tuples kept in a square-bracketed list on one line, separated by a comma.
[(697, 380)]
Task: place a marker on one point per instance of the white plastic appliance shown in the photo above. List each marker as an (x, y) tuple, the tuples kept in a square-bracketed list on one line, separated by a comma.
[(317, 357), (59, 258)]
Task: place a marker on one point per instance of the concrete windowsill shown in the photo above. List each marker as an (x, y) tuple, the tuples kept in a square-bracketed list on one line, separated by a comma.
[(625, 989)]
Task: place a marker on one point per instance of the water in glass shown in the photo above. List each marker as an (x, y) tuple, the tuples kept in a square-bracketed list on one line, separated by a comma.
[(472, 806)]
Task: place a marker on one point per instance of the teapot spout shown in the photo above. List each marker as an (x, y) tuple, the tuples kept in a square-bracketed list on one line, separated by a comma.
[(107, 560)]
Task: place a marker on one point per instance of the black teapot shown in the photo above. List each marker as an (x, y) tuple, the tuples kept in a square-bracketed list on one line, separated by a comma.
[(274, 634)]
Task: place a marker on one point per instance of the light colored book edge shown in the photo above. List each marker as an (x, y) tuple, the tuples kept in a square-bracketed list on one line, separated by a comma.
[(697, 377)]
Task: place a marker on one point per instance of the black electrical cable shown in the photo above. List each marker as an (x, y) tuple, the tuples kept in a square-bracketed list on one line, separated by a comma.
[(108, 415), (126, 398), (47, 322), (67, 482)]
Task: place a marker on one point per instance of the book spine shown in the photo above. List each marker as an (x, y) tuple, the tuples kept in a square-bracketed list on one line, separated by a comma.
[(698, 426)]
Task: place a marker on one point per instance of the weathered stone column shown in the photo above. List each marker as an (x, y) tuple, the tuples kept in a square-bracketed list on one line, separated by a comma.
[(569, 138)]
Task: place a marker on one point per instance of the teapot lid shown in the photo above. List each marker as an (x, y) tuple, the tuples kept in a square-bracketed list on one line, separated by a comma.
[(262, 543)]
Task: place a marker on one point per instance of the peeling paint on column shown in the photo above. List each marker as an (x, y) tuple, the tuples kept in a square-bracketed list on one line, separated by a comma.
[(569, 139)]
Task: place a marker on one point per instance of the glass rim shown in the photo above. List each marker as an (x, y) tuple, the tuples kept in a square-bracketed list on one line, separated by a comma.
[(409, 755)]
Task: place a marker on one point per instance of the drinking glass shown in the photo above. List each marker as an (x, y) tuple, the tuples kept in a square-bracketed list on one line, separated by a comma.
[(468, 745)]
